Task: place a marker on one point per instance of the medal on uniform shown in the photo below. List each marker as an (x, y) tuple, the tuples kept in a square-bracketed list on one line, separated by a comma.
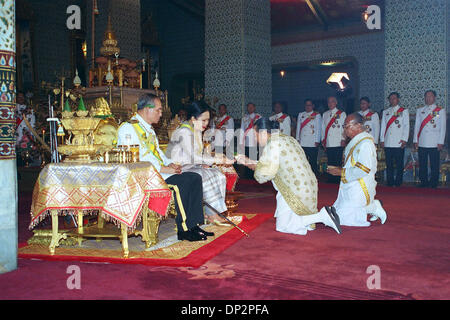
[(336, 122), (334, 126), (432, 121), (396, 121)]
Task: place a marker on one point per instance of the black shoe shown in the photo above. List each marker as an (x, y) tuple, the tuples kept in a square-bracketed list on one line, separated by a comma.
[(335, 218), (190, 236), (201, 231)]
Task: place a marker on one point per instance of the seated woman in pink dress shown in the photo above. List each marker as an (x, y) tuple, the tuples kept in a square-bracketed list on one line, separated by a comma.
[(186, 148)]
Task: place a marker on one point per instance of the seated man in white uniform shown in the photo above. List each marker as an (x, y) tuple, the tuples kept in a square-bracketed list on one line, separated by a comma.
[(356, 198), (139, 131), (284, 162)]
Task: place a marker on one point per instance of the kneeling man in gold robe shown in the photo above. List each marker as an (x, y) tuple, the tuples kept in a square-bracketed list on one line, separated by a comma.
[(284, 162)]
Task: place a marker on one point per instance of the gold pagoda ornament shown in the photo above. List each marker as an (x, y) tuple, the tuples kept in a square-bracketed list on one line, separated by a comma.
[(110, 42)]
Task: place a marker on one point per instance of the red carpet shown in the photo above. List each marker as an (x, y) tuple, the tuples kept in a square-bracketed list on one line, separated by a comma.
[(411, 251), (194, 259)]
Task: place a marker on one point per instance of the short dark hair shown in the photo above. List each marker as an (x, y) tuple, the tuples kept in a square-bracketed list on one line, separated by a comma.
[(223, 104), (265, 124), (432, 91), (366, 99), (308, 99), (251, 103), (394, 93), (146, 99), (197, 108)]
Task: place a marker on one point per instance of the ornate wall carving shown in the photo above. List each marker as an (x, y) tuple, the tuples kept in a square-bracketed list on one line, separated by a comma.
[(237, 54), (416, 50)]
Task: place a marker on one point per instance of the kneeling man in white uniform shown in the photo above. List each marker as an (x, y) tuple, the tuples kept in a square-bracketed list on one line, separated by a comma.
[(356, 198)]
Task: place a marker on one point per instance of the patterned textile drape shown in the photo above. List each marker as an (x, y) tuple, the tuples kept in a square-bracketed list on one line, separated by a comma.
[(7, 79)]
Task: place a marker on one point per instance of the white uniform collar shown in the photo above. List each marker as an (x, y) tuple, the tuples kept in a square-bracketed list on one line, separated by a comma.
[(356, 139), (333, 111), (143, 123), (222, 117), (365, 112), (279, 114)]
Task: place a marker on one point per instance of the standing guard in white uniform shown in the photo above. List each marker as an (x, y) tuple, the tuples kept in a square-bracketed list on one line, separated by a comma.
[(371, 119), (429, 137), (308, 133), (282, 118), (333, 139), (394, 135)]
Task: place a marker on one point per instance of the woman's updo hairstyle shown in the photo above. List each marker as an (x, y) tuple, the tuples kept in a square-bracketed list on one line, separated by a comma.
[(265, 124), (196, 109)]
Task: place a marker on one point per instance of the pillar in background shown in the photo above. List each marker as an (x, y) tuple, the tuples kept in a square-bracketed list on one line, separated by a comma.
[(8, 170), (416, 33), (238, 66)]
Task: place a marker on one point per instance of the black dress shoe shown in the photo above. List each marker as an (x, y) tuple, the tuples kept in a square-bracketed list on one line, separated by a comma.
[(190, 236), (201, 231), (334, 216)]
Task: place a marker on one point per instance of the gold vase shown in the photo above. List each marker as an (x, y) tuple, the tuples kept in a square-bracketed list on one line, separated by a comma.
[(81, 148)]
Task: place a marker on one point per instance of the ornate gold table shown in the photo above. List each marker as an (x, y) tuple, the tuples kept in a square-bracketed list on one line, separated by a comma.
[(123, 194)]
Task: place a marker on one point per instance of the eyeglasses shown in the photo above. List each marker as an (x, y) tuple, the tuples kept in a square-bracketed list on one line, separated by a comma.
[(345, 126)]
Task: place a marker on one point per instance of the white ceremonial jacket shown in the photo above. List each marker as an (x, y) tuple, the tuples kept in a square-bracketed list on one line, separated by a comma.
[(285, 124), (128, 136), (398, 130), (433, 132), (248, 138), (372, 123), (360, 167), (311, 132), (225, 134), (357, 189), (336, 132)]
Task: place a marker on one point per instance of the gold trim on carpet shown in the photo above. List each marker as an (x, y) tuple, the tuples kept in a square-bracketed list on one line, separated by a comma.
[(175, 251)]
